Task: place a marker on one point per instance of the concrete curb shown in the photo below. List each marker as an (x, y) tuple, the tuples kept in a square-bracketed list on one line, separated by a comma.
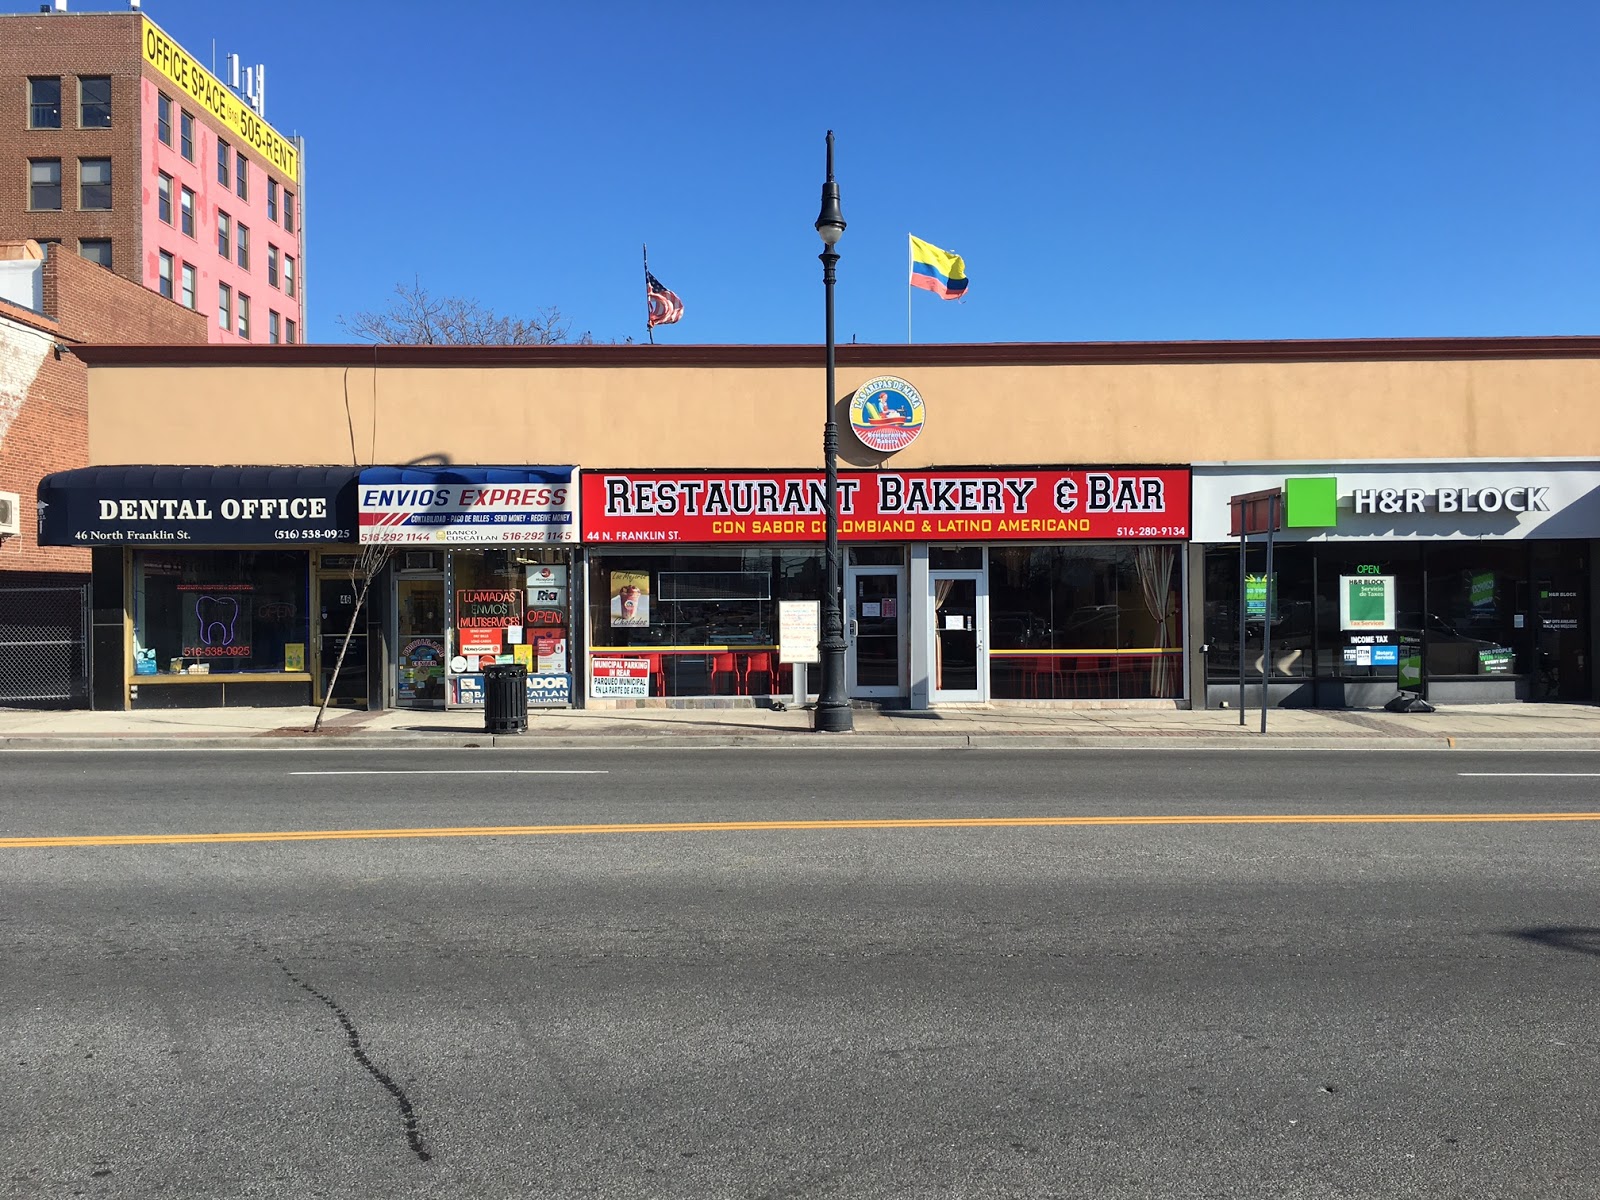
[(798, 740)]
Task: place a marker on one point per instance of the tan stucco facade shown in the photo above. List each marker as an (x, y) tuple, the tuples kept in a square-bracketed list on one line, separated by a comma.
[(641, 407)]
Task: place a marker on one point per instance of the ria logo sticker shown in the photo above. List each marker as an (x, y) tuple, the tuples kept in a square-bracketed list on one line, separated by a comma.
[(886, 414)]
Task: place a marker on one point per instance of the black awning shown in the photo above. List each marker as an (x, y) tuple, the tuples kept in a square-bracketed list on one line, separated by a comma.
[(198, 506)]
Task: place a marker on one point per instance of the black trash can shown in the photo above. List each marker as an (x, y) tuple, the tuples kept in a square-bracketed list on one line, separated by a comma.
[(505, 698)]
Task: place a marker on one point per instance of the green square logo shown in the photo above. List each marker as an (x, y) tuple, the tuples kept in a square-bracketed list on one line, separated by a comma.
[(1311, 503)]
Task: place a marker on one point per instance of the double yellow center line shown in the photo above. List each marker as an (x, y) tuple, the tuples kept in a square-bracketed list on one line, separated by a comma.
[(480, 831)]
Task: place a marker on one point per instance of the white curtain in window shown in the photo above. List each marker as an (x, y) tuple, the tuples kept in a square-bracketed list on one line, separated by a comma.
[(941, 593), (1154, 564)]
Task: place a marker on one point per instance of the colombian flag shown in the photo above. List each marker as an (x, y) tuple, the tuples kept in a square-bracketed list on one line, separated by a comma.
[(942, 273)]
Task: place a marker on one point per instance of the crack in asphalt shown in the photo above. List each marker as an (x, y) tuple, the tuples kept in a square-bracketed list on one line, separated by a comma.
[(408, 1113)]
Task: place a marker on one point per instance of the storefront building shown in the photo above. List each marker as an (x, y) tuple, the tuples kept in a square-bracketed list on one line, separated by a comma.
[(479, 571), (213, 586), (961, 585), (1017, 523), (1477, 575)]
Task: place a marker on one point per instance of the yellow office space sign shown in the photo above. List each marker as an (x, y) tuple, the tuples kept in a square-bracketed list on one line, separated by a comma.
[(166, 56)]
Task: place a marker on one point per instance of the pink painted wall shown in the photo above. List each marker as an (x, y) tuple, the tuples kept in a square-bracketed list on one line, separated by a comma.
[(211, 269)]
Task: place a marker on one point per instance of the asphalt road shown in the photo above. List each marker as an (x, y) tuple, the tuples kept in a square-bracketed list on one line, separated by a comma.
[(1293, 1008)]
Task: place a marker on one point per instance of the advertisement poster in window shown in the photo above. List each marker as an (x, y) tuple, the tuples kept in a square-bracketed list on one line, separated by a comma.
[(630, 599), (1257, 594), (619, 678), (422, 670), (1366, 602), (547, 585)]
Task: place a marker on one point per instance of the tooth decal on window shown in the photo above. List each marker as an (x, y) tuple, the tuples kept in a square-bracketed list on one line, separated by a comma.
[(218, 615)]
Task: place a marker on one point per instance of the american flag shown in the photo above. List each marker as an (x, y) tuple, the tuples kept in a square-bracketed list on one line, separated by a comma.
[(663, 303)]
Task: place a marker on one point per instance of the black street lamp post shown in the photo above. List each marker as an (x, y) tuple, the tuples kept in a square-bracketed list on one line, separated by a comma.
[(833, 706)]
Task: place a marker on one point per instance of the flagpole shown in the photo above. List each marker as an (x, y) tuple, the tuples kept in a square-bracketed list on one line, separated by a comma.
[(910, 266), (648, 328)]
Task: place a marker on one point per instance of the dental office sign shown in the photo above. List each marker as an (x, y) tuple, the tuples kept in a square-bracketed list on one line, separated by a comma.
[(197, 506), (470, 505), (944, 505)]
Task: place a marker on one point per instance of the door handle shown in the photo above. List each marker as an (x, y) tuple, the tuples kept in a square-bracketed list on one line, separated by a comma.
[(855, 627)]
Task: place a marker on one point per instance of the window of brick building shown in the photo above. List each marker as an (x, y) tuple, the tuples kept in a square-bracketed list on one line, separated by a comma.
[(47, 246), (44, 183), (272, 264), (186, 134), (288, 273), (94, 183), (164, 265), (224, 234), (272, 327), (164, 196), (288, 332), (244, 246), (224, 151), (225, 306), (164, 118), (188, 285), (272, 199), (44, 103), (244, 316), (186, 211), (96, 250), (241, 175), (288, 210), (94, 101)]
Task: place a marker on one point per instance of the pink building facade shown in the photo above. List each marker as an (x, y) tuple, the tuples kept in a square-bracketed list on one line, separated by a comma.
[(221, 227)]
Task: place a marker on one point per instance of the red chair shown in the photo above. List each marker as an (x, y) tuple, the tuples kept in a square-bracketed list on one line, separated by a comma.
[(658, 681), (724, 675), (756, 678)]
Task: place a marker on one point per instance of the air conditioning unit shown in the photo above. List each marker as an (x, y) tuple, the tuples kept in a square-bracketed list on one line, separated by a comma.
[(10, 514)]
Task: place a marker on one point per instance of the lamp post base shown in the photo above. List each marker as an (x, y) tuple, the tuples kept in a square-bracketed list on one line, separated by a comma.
[(833, 718)]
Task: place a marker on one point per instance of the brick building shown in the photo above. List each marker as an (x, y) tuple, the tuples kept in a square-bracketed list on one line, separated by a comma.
[(121, 147), (47, 309), (44, 386)]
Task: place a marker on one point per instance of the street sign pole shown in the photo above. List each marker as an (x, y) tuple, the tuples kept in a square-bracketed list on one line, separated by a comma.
[(1266, 618), (1244, 606)]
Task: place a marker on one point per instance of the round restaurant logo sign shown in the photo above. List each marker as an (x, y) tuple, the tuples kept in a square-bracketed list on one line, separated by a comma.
[(886, 414)]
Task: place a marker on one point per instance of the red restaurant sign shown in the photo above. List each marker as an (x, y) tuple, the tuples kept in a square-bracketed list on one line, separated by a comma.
[(914, 506)]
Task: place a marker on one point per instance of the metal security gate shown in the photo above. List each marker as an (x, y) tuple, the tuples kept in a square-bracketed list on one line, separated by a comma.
[(44, 653)]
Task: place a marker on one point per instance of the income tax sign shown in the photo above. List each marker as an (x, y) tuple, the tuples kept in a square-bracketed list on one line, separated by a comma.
[(1007, 504)]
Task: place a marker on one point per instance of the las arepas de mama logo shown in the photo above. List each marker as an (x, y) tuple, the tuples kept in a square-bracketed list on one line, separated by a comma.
[(886, 414)]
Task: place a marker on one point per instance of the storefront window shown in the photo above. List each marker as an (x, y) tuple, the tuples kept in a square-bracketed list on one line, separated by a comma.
[(1472, 605), (1085, 622), (220, 612), (706, 621), (1478, 620), (508, 605)]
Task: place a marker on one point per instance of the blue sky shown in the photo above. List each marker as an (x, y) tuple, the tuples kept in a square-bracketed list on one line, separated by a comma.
[(1109, 170)]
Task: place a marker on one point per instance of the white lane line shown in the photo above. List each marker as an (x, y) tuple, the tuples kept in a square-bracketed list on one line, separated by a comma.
[(1529, 774), (508, 771)]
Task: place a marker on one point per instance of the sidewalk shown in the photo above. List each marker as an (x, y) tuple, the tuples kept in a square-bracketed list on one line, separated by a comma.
[(1464, 727)]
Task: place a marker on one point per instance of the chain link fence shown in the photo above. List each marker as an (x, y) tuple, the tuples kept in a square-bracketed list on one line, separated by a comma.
[(44, 653)]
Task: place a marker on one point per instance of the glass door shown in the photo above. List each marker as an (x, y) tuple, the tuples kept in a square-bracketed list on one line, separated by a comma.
[(336, 600), (959, 606), (419, 641), (1561, 637), (873, 611)]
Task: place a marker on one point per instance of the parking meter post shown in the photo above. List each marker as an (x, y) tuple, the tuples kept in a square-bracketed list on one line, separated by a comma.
[(1243, 608), (1266, 617)]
